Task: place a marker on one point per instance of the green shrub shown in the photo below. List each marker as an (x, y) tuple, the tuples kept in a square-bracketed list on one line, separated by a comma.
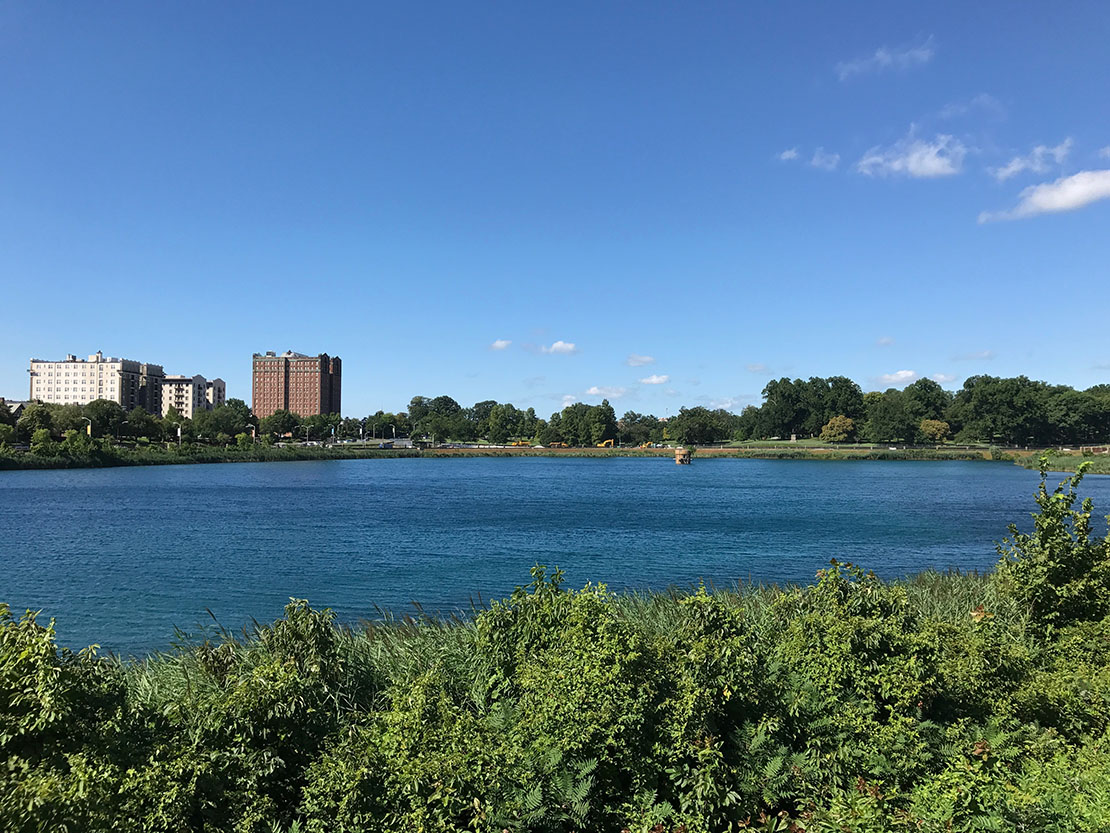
[(1058, 572)]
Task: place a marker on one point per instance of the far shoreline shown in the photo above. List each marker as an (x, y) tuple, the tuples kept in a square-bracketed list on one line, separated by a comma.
[(119, 458)]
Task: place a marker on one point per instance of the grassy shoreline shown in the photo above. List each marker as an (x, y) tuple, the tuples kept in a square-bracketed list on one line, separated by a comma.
[(158, 455)]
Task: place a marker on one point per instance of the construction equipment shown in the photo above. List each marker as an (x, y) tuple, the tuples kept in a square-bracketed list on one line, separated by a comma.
[(606, 444)]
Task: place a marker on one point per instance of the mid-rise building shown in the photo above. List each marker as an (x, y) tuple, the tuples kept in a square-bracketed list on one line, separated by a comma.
[(75, 381), (304, 385), (185, 394), (215, 392), (189, 394)]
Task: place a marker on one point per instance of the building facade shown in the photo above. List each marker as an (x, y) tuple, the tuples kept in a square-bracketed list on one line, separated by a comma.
[(189, 394), (303, 385), (215, 392), (75, 381)]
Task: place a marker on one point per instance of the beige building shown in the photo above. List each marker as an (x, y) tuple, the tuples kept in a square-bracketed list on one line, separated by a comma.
[(189, 394), (75, 381), (215, 393)]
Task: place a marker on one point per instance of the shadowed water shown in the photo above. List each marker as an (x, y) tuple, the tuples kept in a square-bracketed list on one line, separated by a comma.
[(122, 556)]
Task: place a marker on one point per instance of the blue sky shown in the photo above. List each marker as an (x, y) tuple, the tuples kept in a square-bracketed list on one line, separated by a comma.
[(664, 204)]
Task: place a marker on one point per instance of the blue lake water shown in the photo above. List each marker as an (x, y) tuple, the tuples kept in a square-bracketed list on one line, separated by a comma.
[(121, 556)]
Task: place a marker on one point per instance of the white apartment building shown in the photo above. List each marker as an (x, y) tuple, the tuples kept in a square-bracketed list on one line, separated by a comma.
[(75, 381), (184, 393), (189, 394), (215, 393)]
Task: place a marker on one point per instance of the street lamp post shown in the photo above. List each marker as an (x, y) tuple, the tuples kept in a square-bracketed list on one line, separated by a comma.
[(88, 428)]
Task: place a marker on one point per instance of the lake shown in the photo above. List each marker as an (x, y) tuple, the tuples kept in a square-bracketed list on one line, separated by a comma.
[(121, 556)]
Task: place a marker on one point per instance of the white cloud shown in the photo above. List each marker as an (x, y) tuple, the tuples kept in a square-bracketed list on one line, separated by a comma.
[(1105, 152), (982, 102), (915, 158), (569, 400), (500, 344), (726, 403), (1065, 194), (607, 391), (898, 377), (756, 368), (638, 361), (655, 379), (977, 356), (942, 378), (886, 58), (1036, 161), (885, 341), (788, 154), (564, 347), (824, 161)]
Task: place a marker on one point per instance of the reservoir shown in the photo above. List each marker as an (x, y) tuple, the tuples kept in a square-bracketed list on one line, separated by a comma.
[(121, 557)]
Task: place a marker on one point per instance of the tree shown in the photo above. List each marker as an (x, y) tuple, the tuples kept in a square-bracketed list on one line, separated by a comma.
[(34, 418), (6, 415), (839, 429), (697, 426), (280, 423), (933, 430), (140, 424), (107, 417), (41, 443), (498, 425), (7, 434), (886, 418), (602, 422)]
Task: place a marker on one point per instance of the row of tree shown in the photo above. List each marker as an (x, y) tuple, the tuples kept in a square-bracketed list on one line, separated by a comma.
[(1012, 411)]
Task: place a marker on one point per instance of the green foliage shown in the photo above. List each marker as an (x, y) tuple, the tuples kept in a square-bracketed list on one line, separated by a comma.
[(1059, 572), (839, 429)]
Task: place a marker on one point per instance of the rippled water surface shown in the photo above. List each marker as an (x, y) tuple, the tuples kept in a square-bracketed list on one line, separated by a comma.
[(122, 556)]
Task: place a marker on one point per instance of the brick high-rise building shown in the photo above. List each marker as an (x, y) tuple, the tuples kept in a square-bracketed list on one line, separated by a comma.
[(303, 385)]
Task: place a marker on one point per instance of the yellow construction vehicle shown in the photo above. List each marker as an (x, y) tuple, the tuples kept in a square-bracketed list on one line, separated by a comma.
[(606, 444), (521, 443)]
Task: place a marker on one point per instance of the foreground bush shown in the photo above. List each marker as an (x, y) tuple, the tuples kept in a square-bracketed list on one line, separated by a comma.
[(940, 703)]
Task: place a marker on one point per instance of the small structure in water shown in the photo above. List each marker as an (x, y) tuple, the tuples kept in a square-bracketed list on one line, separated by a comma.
[(682, 456)]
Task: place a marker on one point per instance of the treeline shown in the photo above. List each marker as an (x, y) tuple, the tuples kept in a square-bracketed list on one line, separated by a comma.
[(987, 409), (942, 703), (1010, 411)]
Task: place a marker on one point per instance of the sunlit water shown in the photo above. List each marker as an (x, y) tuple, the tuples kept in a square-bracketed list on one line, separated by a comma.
[(122, 556)]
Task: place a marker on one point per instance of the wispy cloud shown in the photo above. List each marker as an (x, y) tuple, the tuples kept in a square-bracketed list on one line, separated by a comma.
[(655, 379), (885, 58), (898, 377), (1065, 194), (824, 161), (914, 157), (560, 347), (942, 378), (788, 154), (500, 344), (977, 356), (533, 381), (634, 360), (610, 392), (1104, 152), (981, 103), (885, 341), (569, 400), (1037, 161), (756, 367)]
